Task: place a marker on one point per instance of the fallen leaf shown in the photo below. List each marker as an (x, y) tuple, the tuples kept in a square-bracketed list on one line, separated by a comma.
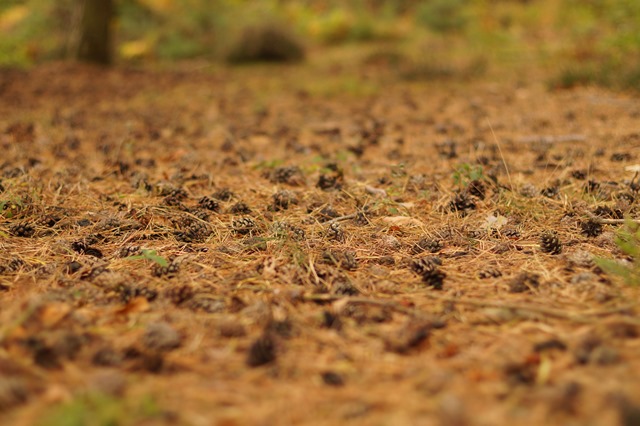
[(495, 222), (401, 220), (136, 305), (51, 314)]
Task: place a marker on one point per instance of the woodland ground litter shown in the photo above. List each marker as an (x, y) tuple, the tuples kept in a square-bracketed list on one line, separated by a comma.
[(313, 245)]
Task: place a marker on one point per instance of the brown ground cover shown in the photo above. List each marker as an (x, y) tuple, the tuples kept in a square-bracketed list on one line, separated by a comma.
[(300, 245)]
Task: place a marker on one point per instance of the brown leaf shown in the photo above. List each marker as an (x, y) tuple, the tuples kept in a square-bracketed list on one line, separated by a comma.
[(50, 315), (136, 305)]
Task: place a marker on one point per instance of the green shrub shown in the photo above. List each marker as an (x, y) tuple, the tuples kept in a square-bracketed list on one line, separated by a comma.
[(628, 240), (266, 42), (442, 16)]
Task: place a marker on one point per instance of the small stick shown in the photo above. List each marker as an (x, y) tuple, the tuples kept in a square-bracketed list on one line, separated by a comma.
[(553, 139), (363, 301), (611, 221), (551, 312), (341, 218)]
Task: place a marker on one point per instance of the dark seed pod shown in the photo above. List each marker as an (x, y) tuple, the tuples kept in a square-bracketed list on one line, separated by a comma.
[(157, 270), (207, 304), (286, 230), (49, 220), (335, 232), (477, 189), (510, 232), (291, 175), (13, 265), (591, 228), (550, 243), (608, 212), (342, 259), (129, 251), (425, 264), (434, 278), (620, 157), (524, 282), (240, 208), (327, 213), (591, 186), (282, 200), (201, 214), (489, 273), (332, 378), (148, 293), (345, 288), (426, 244), (579, 174), (179, 295), (209, 204), (262, 351), (361, 219), (243, 226), (329, 182), (223, 194), (172, 201), (22, 229), (550, 192), (196, 232), (462, 202)]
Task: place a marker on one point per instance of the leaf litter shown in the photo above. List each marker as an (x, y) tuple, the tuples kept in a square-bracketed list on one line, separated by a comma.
[(287, 256)]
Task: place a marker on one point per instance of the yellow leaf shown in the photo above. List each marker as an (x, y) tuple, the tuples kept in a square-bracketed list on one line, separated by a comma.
[(12, 17), (401, 221), (136, 49)]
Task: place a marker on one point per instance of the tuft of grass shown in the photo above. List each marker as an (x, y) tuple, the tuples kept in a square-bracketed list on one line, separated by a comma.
[(442, 16), (466, 173), (628, 240), (151, 255), (99, 409)]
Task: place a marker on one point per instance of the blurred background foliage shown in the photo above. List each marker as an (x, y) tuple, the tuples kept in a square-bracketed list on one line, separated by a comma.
[(576, 41)]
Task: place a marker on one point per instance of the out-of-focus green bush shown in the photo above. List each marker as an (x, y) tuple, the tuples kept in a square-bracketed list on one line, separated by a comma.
[(265, 42), (443, 16), (602, 44), (34, 29), (576, 41)]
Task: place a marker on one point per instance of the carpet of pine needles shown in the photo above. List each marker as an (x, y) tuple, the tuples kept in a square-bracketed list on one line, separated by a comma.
[(300, 245)]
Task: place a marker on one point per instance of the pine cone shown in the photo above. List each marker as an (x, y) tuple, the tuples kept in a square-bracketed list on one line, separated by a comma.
[(427, 244), (209, 204), (591, 228), (434, 278), (549, 243)]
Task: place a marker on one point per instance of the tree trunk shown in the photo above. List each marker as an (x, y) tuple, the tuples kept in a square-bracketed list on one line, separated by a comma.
[(94, 44)]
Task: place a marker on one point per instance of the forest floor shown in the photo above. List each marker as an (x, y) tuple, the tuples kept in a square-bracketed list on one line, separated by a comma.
[(313, 245)]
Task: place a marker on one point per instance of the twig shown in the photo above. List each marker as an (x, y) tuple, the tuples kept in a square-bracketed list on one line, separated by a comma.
[(552, 139), (604, 221), (584, 317), (341, 218), (362, 301)]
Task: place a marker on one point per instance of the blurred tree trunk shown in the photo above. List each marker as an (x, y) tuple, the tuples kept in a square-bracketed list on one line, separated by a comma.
[(94, 43)]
